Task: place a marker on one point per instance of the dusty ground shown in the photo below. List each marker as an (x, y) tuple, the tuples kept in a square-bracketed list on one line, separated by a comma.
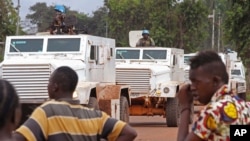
[(154, 128)]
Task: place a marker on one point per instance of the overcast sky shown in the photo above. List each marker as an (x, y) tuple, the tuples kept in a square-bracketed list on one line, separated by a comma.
[(86, 6)]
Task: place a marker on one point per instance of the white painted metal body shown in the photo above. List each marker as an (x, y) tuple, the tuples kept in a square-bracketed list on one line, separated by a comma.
[(235, 69), (149, 70), (29, 61)]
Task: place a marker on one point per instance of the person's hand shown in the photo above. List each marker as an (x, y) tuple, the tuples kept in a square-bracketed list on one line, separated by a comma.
[(185, 96)]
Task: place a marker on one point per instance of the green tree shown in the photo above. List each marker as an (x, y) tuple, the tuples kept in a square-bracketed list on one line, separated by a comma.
[(192, 25), (237, 28), (237, 31), (42, 16), (181, 25), (8, 18), (125, 16), (98, 23)]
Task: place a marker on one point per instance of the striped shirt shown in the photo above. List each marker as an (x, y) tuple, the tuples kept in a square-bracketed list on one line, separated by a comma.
[(67, 120)]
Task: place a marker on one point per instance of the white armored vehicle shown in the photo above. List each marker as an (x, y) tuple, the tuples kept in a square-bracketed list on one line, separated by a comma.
[(235, 69), (154, 74), (30, 60)]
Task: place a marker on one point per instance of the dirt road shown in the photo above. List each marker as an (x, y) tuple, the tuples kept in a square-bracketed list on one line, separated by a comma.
[(153, 129)]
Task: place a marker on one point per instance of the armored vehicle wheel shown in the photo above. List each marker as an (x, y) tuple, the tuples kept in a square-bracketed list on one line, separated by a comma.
[(242, 96), (172, 112), (93, 103), (124, 109)]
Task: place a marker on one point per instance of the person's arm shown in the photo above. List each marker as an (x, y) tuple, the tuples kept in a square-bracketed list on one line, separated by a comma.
[(115, 130), (185, 99), (127, 134), (183, 129), (152, 42), (18, 137), (138, 43)]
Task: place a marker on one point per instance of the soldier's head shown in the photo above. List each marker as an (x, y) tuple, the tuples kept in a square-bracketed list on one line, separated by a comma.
[(145, 33), (60, 9), (60, 13)]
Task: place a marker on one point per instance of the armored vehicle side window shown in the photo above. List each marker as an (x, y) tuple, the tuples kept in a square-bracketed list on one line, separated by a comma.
[(235, 72), (154, 54), (94, 52), (127, 54), (187, 59), (63, 45), (111, 51), (26, 45)]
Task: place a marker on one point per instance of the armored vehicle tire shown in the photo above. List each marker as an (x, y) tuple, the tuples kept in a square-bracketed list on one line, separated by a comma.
[(93, 103), (242, 96), (124, 109), (172, 112)]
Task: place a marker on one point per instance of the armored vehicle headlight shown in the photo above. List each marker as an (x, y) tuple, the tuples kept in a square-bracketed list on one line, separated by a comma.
[(75, 94), (166, 90), (158, 92)]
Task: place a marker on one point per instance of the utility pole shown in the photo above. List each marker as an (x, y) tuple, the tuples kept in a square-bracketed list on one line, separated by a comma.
[(18, 19), (213, 30), (107, 24), (213, 17), (107, 19), (219, 18)]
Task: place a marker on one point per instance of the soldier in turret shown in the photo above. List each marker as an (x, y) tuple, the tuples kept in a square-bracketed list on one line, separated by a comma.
[(146, 40), (58, 25)]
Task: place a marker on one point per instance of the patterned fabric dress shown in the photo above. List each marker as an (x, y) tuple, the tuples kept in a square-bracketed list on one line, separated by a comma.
[(224, 109)]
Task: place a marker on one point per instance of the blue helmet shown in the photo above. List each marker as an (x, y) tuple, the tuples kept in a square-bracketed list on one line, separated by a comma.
[(145, 32), (60, 8)]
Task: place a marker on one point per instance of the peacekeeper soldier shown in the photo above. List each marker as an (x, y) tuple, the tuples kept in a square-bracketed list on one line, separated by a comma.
[(58, 25), (146, 40)]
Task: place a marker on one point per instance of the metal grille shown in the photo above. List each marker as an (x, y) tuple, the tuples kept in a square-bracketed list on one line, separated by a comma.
[(137, 79), (30, 80)]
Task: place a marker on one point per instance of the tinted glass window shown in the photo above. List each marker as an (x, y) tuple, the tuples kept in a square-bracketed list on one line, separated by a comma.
[(63, 45), (26, 45), (235, 72), (154, 54), (127, 54), (187, 59)]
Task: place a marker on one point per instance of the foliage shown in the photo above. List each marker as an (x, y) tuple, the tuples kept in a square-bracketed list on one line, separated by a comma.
[(237, 31), (125, 16), (97, 24), (8, 18), (237, 28), (193, 27), (42, 15), (181, 25)]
